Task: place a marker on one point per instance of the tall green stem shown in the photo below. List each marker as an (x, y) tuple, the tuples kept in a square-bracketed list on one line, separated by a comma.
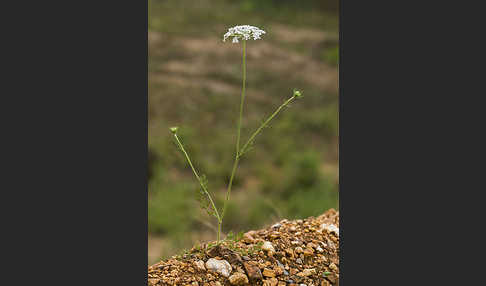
[(238, 134), (242, 101), (219, 229), (202, 185)]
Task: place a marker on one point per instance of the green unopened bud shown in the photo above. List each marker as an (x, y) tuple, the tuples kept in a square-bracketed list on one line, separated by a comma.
[(174, 129), (297, 93)]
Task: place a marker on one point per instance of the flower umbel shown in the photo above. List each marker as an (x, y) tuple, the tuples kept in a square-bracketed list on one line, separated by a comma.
[(244, 32)]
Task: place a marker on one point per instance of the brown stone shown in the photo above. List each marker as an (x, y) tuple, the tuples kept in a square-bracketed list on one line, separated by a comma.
[(298, 250), (309, 251), (200, 265), (289, 252), (333, 267), (268, 272), (238, 279), (311, 245), (233, 257), (307, 272), (253, 272), (214, 251), (270, 282), (333, 278), (247, 238)]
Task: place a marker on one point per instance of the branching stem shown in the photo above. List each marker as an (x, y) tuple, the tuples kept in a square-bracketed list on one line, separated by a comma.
[(219, 218), (252, 137), (239, 151)]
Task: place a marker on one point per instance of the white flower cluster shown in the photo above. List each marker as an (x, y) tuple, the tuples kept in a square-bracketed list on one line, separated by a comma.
[(245, 32)]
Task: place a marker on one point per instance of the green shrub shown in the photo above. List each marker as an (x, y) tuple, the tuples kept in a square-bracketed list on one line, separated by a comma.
[(314, 201), (165, 204), (302, 171)]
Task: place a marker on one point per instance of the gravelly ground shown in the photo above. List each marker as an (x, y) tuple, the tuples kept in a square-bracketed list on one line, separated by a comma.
[(299, 252)]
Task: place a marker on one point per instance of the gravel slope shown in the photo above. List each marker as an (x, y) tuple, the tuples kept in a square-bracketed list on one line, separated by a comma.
[(287, 253)]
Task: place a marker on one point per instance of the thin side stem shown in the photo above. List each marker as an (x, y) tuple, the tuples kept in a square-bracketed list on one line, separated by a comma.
[(200, 182), (238, 134), (247, 144)]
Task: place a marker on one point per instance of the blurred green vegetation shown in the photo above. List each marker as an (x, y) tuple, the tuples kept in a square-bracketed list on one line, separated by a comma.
[(194, 82)]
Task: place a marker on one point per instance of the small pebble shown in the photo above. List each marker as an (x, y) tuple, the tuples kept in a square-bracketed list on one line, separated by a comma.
[(268, 272), (200, 265), (238, 279), (333, 267), (268, 246), (330, 228)]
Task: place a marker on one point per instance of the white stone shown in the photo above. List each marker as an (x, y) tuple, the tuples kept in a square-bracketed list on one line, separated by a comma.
[(330, 228), (220, 266), (267, 246), (277, 225)]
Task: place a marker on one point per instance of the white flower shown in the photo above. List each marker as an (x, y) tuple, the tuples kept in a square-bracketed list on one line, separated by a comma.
[(245, 32)]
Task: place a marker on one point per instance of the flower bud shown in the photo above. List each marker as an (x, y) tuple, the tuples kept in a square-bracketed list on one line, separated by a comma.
[(297, 93), (174, 129)]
